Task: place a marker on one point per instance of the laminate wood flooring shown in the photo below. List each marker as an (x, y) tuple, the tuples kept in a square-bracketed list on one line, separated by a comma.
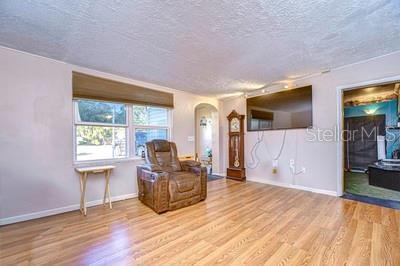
[(239, 224)]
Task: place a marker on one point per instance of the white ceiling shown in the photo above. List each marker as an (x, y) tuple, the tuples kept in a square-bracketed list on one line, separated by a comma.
[(206, 47)]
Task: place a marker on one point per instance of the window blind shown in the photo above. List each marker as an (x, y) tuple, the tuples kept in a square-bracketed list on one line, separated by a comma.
[(91, 87)]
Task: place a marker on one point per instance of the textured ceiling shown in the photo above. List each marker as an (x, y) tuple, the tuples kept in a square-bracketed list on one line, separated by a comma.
[(206, 47)]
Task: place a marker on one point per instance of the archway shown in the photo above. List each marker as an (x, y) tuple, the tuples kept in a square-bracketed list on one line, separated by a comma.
[(207, 136)]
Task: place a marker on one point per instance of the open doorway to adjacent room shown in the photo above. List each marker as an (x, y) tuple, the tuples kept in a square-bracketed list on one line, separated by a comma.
[(207, 137), (371, 144)]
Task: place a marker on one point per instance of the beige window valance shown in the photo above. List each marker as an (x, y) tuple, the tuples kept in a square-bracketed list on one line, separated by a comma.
[(91, 87)]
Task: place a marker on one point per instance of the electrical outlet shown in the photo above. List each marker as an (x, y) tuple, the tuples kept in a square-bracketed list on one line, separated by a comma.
[(291, 162), (274, 166)]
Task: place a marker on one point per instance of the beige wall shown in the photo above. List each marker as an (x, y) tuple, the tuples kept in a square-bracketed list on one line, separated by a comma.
[(319, 158), (37, 175)]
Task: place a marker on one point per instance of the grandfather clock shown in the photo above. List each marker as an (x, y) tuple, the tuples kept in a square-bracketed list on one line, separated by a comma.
[(236, 168)]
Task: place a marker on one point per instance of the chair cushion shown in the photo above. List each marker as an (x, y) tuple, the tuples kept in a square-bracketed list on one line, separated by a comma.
[(163, 153), (163, 158), (183, 185), (161, 146), (184, 180)]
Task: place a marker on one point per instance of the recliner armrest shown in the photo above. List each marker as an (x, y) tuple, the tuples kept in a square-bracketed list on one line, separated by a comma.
[(152, 176), (151, 167), (153, 188), (146, 173), (190, 163), (186, 165)]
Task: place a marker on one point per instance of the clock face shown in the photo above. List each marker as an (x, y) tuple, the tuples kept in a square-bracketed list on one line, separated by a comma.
[(235, 125)]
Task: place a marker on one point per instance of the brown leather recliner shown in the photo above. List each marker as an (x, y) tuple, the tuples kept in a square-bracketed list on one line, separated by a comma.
[(165, 183)]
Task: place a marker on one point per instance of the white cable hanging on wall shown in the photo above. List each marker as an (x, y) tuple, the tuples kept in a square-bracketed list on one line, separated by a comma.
[(276, 158), (255, 160), (253, 152), (292, 163)]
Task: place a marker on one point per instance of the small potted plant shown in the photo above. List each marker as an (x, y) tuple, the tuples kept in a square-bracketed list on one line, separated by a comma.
[(209, 155)]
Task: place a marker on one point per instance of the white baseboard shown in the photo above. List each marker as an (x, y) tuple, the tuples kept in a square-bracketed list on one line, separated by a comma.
[(280, 184), (40, 214)]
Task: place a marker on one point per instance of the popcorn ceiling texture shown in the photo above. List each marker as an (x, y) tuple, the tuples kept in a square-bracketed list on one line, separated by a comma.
[(205, 47)]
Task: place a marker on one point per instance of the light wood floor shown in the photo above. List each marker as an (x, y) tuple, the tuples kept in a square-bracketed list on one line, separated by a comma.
[(239, 223)]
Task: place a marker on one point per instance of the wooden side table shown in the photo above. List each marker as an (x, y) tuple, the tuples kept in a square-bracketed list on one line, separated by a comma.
[(83, 174)]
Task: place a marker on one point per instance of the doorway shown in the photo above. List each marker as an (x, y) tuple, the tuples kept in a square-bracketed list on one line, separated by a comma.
[(207, 137), (371, 143)]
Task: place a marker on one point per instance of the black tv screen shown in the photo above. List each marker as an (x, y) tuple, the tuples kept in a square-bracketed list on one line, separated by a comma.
[(280, 110)]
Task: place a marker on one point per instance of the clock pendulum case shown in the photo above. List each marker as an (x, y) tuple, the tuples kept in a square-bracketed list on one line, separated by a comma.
[(236, 169)]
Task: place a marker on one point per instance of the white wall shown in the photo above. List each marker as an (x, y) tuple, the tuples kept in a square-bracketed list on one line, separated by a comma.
[(36, 161), (319, 158)]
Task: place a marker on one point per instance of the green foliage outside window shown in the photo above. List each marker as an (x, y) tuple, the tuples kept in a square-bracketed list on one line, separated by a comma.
[(92, 135), (101, 112), (150, 116), (140, 115), (98, 112), (102, 128)]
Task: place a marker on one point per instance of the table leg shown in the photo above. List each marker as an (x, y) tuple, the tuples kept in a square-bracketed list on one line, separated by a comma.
[(83, 200), (109, 192), (107, 189), (81, 189)]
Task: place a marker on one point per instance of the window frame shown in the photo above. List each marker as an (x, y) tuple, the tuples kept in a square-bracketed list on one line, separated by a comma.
[(134, 126), (130, 128)]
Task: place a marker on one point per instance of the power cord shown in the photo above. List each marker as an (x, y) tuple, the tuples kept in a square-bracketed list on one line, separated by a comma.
[(292, 163), (255, 160), (253, 152), (280, 149)]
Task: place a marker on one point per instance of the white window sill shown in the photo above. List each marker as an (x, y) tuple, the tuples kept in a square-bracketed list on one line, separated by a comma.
[(107, 161)]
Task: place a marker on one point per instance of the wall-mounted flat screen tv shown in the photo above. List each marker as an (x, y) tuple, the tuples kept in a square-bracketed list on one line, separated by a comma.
[(280, 110)]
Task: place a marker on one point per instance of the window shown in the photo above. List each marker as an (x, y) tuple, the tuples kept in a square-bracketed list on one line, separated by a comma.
[(100, 130), (149, 123), (103, 129)]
